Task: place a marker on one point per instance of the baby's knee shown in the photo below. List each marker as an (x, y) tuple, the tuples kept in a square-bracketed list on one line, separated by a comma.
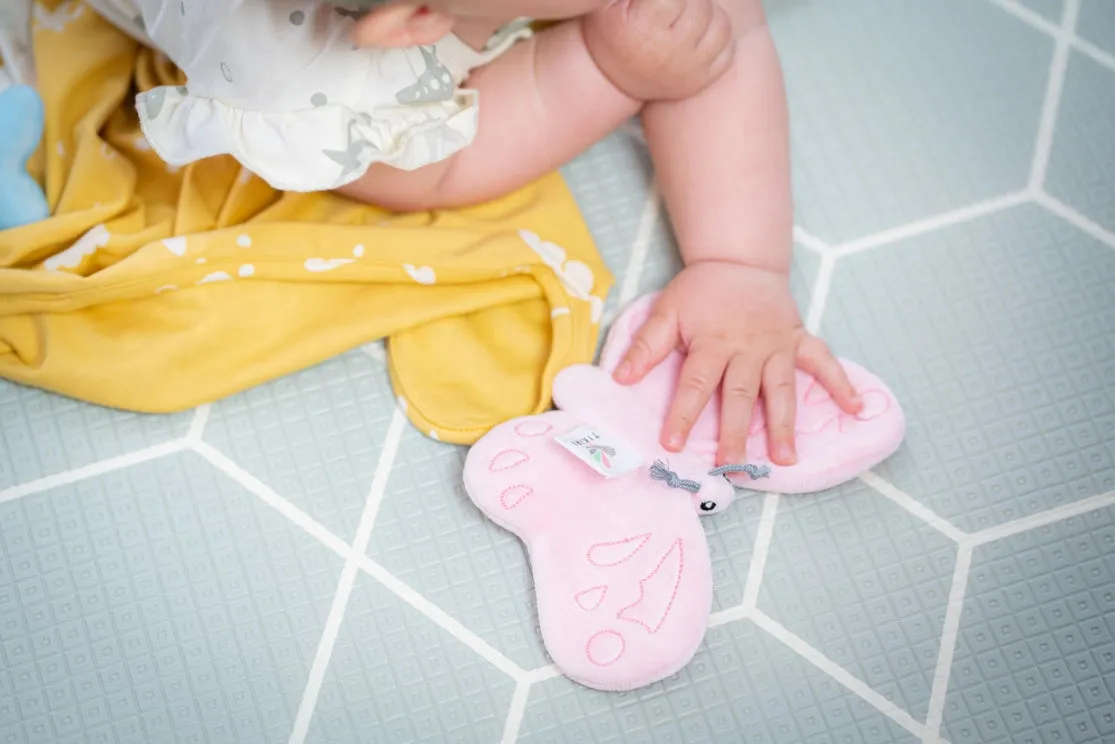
[(661, 49)]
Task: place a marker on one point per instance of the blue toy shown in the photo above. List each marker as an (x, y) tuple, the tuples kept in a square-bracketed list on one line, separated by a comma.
[(21, 128)]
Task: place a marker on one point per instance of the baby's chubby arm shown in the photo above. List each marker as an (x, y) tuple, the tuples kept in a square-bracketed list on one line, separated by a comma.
[(723, 156), (723, 164)]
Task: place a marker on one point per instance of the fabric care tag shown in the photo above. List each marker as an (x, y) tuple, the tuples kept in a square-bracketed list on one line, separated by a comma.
[(602, 451)]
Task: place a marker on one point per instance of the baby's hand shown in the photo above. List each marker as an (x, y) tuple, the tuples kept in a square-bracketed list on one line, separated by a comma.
[(740, 326), (656, 50)]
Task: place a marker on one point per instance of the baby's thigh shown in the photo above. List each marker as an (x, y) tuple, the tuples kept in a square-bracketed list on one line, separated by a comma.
[(541, 104)]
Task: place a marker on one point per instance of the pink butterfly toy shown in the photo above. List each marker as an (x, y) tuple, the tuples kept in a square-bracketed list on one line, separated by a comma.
[(610, 520)]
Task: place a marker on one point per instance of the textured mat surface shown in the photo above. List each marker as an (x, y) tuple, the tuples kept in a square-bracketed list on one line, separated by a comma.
[(296, 565)]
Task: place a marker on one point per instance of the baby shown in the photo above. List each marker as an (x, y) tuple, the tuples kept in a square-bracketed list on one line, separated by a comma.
[(704, 74)]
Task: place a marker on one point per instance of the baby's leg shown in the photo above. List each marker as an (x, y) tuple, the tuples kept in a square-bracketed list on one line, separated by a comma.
[(541, 104)]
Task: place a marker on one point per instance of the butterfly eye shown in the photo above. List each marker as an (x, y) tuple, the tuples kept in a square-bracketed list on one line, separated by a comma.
[(708, 506)]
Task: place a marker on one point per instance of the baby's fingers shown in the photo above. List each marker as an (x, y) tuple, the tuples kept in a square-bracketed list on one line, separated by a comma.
[(653, 343), (700, 375), (737, 407), (815, 358), (780, 401)]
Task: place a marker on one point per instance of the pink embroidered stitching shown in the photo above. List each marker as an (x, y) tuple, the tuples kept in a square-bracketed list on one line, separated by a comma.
[(642, 539), (495, 467), (642, 589), (523, 492), (602, 633), (597, 592), (816, 429), (532, 428), (819, 425), (876, 414)]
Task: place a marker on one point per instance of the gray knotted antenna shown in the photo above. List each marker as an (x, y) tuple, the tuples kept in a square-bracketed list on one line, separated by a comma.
[(660, 471), (754, 471)]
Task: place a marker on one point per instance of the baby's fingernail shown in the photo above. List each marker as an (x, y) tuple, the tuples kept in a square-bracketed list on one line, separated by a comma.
[(675, 442), (857, 402), (786, 454), (624, 371)]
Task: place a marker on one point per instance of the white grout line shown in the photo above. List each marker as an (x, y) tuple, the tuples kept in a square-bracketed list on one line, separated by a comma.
[(730, 615), (933, 223), (518, 708), (392, 583), (955, 607), (1031, 17), (759, 553), (101, 467), (380, 480), (1053, 29), (838, 673), (199, 422), (348, 578), (1098, 55), (1051, 104), (441, 618), (516, 712), (915, 507), (324, 654), (542, 674), (810, 241), (1041, 519), (818, 302), (954, 611), (261, 490), (1077, 220), (640, 246)]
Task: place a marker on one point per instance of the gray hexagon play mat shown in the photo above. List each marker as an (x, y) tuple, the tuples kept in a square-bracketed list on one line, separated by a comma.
[(296, 564)]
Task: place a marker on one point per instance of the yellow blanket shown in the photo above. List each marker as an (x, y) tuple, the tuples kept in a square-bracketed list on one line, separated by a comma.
[(155, 289)]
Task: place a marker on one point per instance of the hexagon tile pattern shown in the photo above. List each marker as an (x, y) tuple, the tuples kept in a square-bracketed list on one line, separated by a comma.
[(1097, 24), (430, 535), (901, 111), (741, 681), (397, 677), (295, 564), (1035, 656), (42, 434), (1083, 151), (1006, 365), (865, 583), (314, 436), (157, 602)]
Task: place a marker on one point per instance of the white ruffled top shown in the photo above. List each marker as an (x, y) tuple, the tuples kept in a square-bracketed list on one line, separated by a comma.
[(280, 87)]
